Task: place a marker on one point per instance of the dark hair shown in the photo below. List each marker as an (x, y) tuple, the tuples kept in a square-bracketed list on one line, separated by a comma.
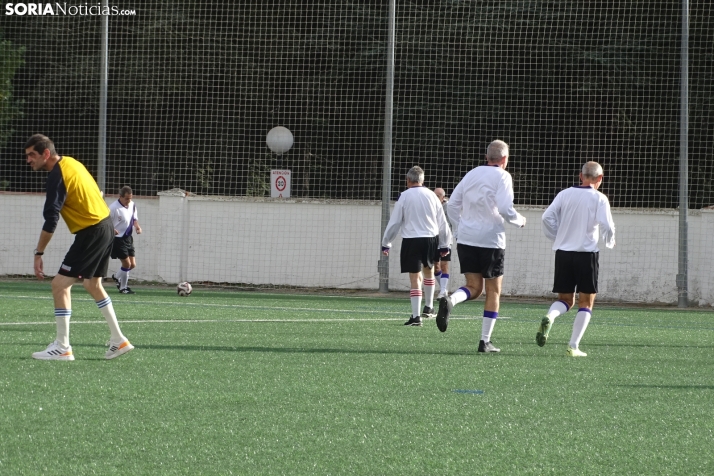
[(41, 143), (125, 190)]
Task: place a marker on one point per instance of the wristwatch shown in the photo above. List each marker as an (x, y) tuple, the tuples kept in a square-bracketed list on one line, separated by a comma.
[(39, 253)]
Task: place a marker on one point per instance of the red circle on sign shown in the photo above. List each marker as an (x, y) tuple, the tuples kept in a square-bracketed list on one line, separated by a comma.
[(281, 183)]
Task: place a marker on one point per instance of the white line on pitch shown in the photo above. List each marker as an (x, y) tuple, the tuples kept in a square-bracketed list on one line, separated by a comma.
[(230, 306)]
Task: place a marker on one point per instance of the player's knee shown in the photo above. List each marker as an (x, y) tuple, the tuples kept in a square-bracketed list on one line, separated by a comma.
[(88, 284), (58, 286), (567, 299), (475, 293)]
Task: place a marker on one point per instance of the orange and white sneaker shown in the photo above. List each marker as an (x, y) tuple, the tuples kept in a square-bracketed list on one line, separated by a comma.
[(54, 352), (115, 350)]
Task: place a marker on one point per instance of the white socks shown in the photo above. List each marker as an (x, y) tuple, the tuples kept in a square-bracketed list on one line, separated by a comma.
[(62, 317), (415, 295), (489, 321), (107, 309), (556, 309), (429, 288), (460, 295), (123, 276), (581, 323), (444, 282)]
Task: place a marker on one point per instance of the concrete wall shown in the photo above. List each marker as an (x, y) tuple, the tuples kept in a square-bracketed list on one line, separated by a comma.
[(336, 244)]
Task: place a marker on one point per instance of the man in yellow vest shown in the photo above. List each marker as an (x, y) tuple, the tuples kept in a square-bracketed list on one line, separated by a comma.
[(73, 193)]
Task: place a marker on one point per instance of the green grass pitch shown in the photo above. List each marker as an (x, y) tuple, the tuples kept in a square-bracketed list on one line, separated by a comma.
[(249, 383)]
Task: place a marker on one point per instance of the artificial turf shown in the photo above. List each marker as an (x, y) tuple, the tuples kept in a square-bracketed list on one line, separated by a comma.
[(256, 383)]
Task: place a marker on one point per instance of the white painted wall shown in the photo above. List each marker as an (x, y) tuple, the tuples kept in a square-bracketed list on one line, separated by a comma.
[(336, 244)]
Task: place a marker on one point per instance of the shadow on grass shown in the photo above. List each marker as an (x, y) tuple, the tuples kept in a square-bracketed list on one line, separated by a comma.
[(296, 350), (287, 350)]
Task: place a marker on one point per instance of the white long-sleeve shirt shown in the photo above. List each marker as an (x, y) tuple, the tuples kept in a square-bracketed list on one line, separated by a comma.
[(123, 218), (418, 214), (479, 206), (576, 218)]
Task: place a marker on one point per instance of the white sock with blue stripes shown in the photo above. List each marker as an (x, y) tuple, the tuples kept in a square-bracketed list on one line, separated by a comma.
[(105, 305), (62, 317)]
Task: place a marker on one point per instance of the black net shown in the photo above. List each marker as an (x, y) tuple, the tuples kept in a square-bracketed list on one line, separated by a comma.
[(194, 87)]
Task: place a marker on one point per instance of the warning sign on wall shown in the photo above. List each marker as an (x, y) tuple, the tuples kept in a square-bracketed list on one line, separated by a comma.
[(280, 183)]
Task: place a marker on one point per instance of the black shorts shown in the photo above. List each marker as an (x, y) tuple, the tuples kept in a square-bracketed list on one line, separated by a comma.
[(438, 257), (576, 270), (418, 252), (123, 247), (488, 262), (88, 257)]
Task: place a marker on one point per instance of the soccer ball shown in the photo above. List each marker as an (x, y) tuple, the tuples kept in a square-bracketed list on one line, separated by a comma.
[(184, 289)]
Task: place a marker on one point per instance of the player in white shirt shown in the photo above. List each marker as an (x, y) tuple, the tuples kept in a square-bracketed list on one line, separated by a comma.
[(441, 263), (125, 220), (478, 208), (575, 221), (425, 231)]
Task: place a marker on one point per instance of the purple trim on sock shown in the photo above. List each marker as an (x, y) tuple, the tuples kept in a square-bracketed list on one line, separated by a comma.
[(59, 312), (466, 290), (567, 308), (125, 269), (585, 309), (490, 314), (436, 275), (445, 275)]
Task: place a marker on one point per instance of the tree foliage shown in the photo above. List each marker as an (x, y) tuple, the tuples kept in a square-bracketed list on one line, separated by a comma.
[(10, 60), (195, 86)]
